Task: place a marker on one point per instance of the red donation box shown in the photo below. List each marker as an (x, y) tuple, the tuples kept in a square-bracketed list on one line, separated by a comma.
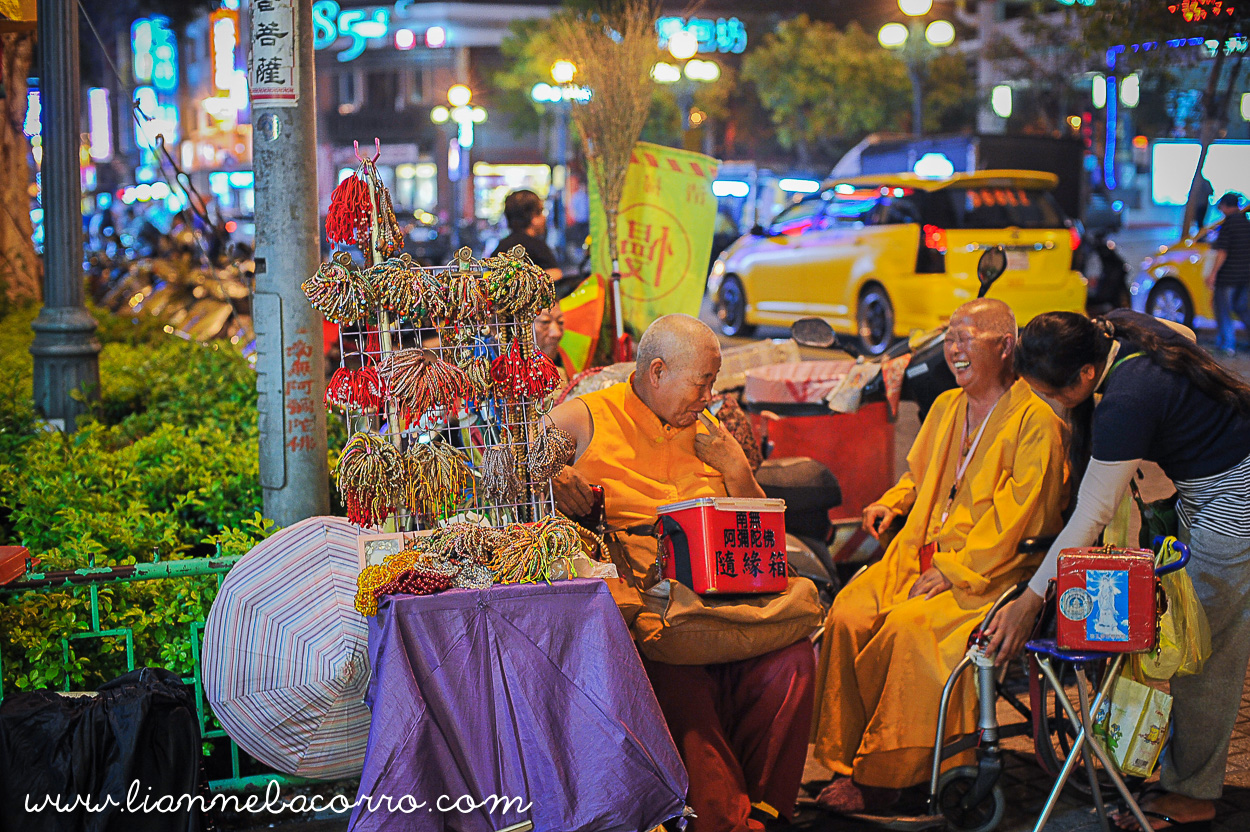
[(725, 545), (1108, 600)]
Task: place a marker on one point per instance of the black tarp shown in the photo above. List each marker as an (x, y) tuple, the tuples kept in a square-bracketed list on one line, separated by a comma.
[(138, 740)]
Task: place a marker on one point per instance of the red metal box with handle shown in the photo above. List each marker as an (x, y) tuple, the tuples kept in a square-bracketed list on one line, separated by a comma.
[(725, 545), (1108, 600)]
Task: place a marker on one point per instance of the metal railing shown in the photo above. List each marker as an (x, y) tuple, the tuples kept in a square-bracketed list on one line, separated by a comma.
[(93, 578)]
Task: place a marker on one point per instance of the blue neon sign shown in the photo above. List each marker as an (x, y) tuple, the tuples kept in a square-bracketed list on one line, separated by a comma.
[(155, 51), (363, 27), (724, 34)]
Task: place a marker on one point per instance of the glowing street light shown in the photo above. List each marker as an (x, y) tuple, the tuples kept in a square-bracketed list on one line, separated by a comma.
[(892, 35), (665, 73), (459, 95), (1130, 90), (440, 114), (683, 44), (562, 72), (697, 70), (1098, 91), (915, 8), (1000, 101), (940, 33)]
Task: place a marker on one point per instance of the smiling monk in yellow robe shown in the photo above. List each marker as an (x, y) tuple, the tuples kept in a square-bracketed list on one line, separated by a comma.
[(986, 471)]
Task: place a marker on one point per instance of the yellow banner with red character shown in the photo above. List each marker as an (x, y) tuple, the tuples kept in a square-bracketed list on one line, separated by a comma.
[(663, 232)]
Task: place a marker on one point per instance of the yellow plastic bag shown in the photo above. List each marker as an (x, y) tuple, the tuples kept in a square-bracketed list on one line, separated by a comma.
[(1184, 633)]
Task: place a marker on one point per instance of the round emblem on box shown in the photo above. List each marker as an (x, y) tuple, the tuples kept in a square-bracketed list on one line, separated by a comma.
[(1076, 604)]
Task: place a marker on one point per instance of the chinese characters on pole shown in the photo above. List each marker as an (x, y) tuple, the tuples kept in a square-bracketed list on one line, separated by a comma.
[(274, 71)]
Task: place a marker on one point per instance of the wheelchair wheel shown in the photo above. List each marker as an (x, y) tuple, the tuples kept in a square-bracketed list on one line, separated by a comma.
[(983, 817)]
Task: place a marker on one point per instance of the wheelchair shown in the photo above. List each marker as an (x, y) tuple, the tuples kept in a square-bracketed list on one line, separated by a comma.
[(969, 798)]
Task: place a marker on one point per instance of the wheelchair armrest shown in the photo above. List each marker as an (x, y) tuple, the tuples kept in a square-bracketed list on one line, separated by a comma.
[(1035, 545), (1007, 597)]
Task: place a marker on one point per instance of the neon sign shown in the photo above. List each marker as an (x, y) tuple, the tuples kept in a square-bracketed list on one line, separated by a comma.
[(725, 35), (1197, 11), (155, 53), (365, 27), (225, 34)]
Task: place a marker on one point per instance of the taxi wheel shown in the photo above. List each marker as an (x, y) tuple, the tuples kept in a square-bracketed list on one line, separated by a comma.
[(731, 308), (1170, 301), (874, 319)]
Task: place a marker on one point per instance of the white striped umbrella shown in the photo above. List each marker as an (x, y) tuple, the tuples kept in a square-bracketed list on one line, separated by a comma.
[(286, 655)]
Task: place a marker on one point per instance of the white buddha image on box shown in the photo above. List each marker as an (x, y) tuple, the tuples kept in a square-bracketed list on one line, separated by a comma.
[(1104, 585)]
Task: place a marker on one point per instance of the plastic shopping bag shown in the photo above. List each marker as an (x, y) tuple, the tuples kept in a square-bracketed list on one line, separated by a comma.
[(1184, 634), (1133, 725)]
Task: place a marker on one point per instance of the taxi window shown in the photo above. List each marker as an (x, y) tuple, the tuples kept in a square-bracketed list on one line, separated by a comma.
[(1002, 207), (798, 217), (847, 205)]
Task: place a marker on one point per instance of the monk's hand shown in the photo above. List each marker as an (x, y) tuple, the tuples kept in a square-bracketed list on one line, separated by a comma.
[(719, 449), (1011, 627), (572, 492), (930, 583), (877, 518)]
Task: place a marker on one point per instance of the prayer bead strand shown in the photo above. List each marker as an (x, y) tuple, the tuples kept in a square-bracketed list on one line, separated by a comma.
[(438, 475), (370, 477), (340, 291), (420, 381)]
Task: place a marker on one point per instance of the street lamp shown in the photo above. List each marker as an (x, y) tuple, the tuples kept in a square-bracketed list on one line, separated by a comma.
[(560, 96), (464, 117), (916, 42), (683, 45)]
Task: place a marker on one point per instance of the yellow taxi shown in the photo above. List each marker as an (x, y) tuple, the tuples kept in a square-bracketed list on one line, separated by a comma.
[(880, 256), (1170, 284)]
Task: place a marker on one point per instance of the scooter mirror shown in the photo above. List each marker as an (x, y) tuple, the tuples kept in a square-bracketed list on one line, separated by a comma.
[(813, 332), (990, 267)]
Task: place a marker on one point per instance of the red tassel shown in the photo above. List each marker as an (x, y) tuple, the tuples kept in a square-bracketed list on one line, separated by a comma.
[(361, 389), (347, 219), (517, 379)]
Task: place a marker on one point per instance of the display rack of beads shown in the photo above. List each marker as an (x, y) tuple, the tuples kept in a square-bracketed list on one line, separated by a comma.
[(450, 349)]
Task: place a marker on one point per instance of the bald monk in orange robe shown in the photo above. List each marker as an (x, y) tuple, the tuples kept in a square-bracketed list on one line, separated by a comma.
[(741, 727), (896, 632)]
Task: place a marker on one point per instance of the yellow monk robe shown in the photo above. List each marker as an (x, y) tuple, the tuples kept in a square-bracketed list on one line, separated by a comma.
[(641, 463), (885, 658)]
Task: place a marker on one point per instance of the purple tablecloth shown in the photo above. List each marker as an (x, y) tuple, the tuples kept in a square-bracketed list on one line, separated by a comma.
[(533, 691)]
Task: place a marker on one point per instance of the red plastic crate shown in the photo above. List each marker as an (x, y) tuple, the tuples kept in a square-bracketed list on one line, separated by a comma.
[(1107, 600), (12, 563), (725, 545)]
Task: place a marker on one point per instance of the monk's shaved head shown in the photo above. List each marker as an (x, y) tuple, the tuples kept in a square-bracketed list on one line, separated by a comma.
[(678, 340), (989, 315), (678, 359)]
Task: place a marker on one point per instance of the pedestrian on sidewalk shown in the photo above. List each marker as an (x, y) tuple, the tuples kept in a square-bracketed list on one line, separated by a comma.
[(1229, 278)]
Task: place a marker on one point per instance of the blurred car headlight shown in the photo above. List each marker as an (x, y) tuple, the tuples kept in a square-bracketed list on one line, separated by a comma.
[(718, 267)]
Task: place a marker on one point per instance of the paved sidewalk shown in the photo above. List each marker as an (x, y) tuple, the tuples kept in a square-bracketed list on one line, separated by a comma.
[(1026, 786)]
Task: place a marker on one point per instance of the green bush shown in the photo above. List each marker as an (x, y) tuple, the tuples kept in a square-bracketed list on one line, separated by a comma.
[(165, 461)]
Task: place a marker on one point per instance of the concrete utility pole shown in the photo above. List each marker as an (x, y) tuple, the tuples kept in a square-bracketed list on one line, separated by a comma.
[(988, 13), (294, 472), (65, 348)]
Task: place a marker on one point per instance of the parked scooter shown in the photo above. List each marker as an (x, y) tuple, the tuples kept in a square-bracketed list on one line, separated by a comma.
[(927, 375)]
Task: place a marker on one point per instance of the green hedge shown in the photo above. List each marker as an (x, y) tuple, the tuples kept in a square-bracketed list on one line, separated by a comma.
[(166, 460)]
